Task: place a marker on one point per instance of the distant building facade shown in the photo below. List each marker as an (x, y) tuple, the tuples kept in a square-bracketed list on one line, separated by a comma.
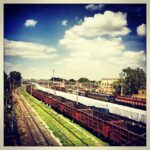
[(141, 94), (106, 85)]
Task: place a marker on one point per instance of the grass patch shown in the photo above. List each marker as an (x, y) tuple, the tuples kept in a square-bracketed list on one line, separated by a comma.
[(61, 132)]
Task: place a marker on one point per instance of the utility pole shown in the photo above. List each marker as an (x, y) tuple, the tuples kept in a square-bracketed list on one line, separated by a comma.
[(10, 87), (31, 89), (121, 89), (64, 85), (48, 87), (13, 84), (21, 85), (90, 87), (53, 83), (77, 91)]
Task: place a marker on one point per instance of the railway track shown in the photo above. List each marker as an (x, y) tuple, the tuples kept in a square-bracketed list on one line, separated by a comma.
[(132, 103), (119, 131), (62, 134), (35, 134), (58, 120), (30, 134)]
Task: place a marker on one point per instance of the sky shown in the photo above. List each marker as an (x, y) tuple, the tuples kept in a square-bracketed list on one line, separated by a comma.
[(76, 40)]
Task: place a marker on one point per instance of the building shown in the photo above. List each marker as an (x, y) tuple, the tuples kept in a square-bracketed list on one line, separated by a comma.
[(141, 94), (106, 85)]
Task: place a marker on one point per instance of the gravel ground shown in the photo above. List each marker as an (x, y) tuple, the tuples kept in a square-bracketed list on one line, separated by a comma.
[(32, 131)]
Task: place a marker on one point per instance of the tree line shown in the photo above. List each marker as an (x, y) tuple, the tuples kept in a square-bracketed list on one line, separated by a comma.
[(12, 80), (131, 80), (81, 80)]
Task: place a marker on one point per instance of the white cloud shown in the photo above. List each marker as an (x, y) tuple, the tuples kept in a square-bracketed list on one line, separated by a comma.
[(93, 7), (99, 57), (31, 73), (33, 69), (95, 49), (141, 30), (110, 23), (64, 22), (11, 67), (29, 50), (27, 72), (93, 55), (8, 64), (79, 21), (30, 23)]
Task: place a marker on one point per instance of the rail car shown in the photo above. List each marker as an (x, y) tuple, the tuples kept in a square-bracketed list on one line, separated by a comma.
[(131, 101), (123, 100), (118, 131), (128, 101), (109, 98)]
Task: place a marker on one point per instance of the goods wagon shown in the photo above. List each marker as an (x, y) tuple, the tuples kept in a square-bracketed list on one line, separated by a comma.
[(109, 98), (131, 101), (115, 129), (127, 134), (123, 100)]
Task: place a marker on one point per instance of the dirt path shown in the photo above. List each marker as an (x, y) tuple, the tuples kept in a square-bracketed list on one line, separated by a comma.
[(31, 129)]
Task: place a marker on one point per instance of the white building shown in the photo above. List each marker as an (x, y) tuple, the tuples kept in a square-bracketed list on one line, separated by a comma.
[(106, 85)]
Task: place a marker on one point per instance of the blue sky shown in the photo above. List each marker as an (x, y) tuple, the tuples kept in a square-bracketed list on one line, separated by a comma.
[(74, 37)]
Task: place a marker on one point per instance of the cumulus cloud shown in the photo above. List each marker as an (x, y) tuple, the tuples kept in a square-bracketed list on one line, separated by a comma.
[(30, 23), (29, 50), (105, 57), (26, 72), (8, 66), (141, 30), (97, 55), (64, 22), (79, 21), (33, 69), (110, 23), (93, 7)]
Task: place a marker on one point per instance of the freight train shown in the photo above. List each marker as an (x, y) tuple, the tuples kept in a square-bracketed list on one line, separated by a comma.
[(138, 102), (113, 128), (104, 97), (123, 100)]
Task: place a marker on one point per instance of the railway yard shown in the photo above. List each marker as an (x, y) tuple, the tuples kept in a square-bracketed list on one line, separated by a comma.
[(30, 127), (75, 75), (46, 119), (40, 125)]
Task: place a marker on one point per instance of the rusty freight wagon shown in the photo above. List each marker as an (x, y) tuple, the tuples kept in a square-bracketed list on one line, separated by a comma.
[(135, 102), (115, 129)]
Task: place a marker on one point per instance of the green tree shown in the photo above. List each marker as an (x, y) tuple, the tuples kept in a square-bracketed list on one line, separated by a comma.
[(132, 80), (117, 87), (83, 80), (6, 82), (72, 80), (57, 79), (15, 78)]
